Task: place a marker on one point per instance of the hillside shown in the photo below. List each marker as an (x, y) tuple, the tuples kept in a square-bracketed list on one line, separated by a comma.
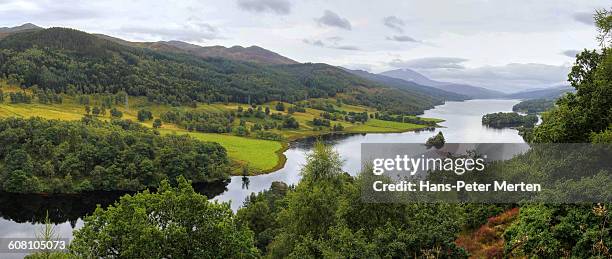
[(409, 86), (463, 89), (252, 53), (5, 31), (67, 60), (547, 93)]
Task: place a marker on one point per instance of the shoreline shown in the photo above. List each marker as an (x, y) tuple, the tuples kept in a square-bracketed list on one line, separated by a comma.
[(286, 144)]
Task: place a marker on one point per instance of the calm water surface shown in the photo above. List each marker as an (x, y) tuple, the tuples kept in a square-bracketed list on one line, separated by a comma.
[(21, 215)]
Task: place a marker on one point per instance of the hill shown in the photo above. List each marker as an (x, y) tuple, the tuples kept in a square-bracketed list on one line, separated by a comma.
[(67, 60), (409, 86), (238, 53), (252, 53), (5, 31), (547, 93), (23, 27), (463, 89)]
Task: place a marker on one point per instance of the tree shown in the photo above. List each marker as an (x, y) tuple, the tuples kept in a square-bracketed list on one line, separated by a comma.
[(280, 106), (579, 115), (436, 141), (95, 111), (267, 111), (157, 123), (144, 115), (116, 113), (326, 217), (170, 223)]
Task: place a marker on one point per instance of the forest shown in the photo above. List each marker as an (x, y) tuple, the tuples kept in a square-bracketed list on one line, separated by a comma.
[(534, 106), (509, 119), (69, 61), (50, 156)]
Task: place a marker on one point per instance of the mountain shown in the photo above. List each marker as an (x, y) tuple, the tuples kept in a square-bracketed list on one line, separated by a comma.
[(409, 86), (546, 93), (250, 54), (23, 27), (463, 89), (5, 31), (72, 61)]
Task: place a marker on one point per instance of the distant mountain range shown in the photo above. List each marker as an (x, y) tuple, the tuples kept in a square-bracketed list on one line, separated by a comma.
[(409, 85), (463, 89), (546, 93)]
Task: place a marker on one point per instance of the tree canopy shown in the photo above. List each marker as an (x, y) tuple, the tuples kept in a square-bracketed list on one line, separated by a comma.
[(170, 223)]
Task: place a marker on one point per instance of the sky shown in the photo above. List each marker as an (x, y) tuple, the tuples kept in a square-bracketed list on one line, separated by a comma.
[(503, 45)]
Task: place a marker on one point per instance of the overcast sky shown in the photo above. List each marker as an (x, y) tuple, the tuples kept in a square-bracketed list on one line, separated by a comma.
[(505, 45)]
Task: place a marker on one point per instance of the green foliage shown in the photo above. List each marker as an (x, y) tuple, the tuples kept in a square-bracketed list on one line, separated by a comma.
[(116, 113), (200, 120), (580, 231), (36, 154), (436, 141), (171, 223), (259, 213), (268, 135), (19, 97), (588, 111), (534, 106), (338, 127), (509, 119), (157, 123), (280, 107), (325, 216), (52, 255), (145, 115)]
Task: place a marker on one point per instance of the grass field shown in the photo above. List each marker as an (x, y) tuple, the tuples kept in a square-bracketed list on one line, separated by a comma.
[(374, 125), (259, 155)]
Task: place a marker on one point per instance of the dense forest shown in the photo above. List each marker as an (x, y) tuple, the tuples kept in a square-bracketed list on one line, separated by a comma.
[(534, 106), (39, 155), (70, 61), (509, 119)]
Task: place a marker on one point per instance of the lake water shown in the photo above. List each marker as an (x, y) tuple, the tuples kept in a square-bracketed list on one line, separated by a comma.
[(462, 125), (20, 215)]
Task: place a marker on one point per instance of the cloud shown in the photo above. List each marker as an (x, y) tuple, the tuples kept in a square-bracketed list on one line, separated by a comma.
[(430, 63), (332, 19), (571, 53), (47, 11), (584, 17), (402, 38), (334, 44), (281, 7), (192, 32), (394, 23)]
